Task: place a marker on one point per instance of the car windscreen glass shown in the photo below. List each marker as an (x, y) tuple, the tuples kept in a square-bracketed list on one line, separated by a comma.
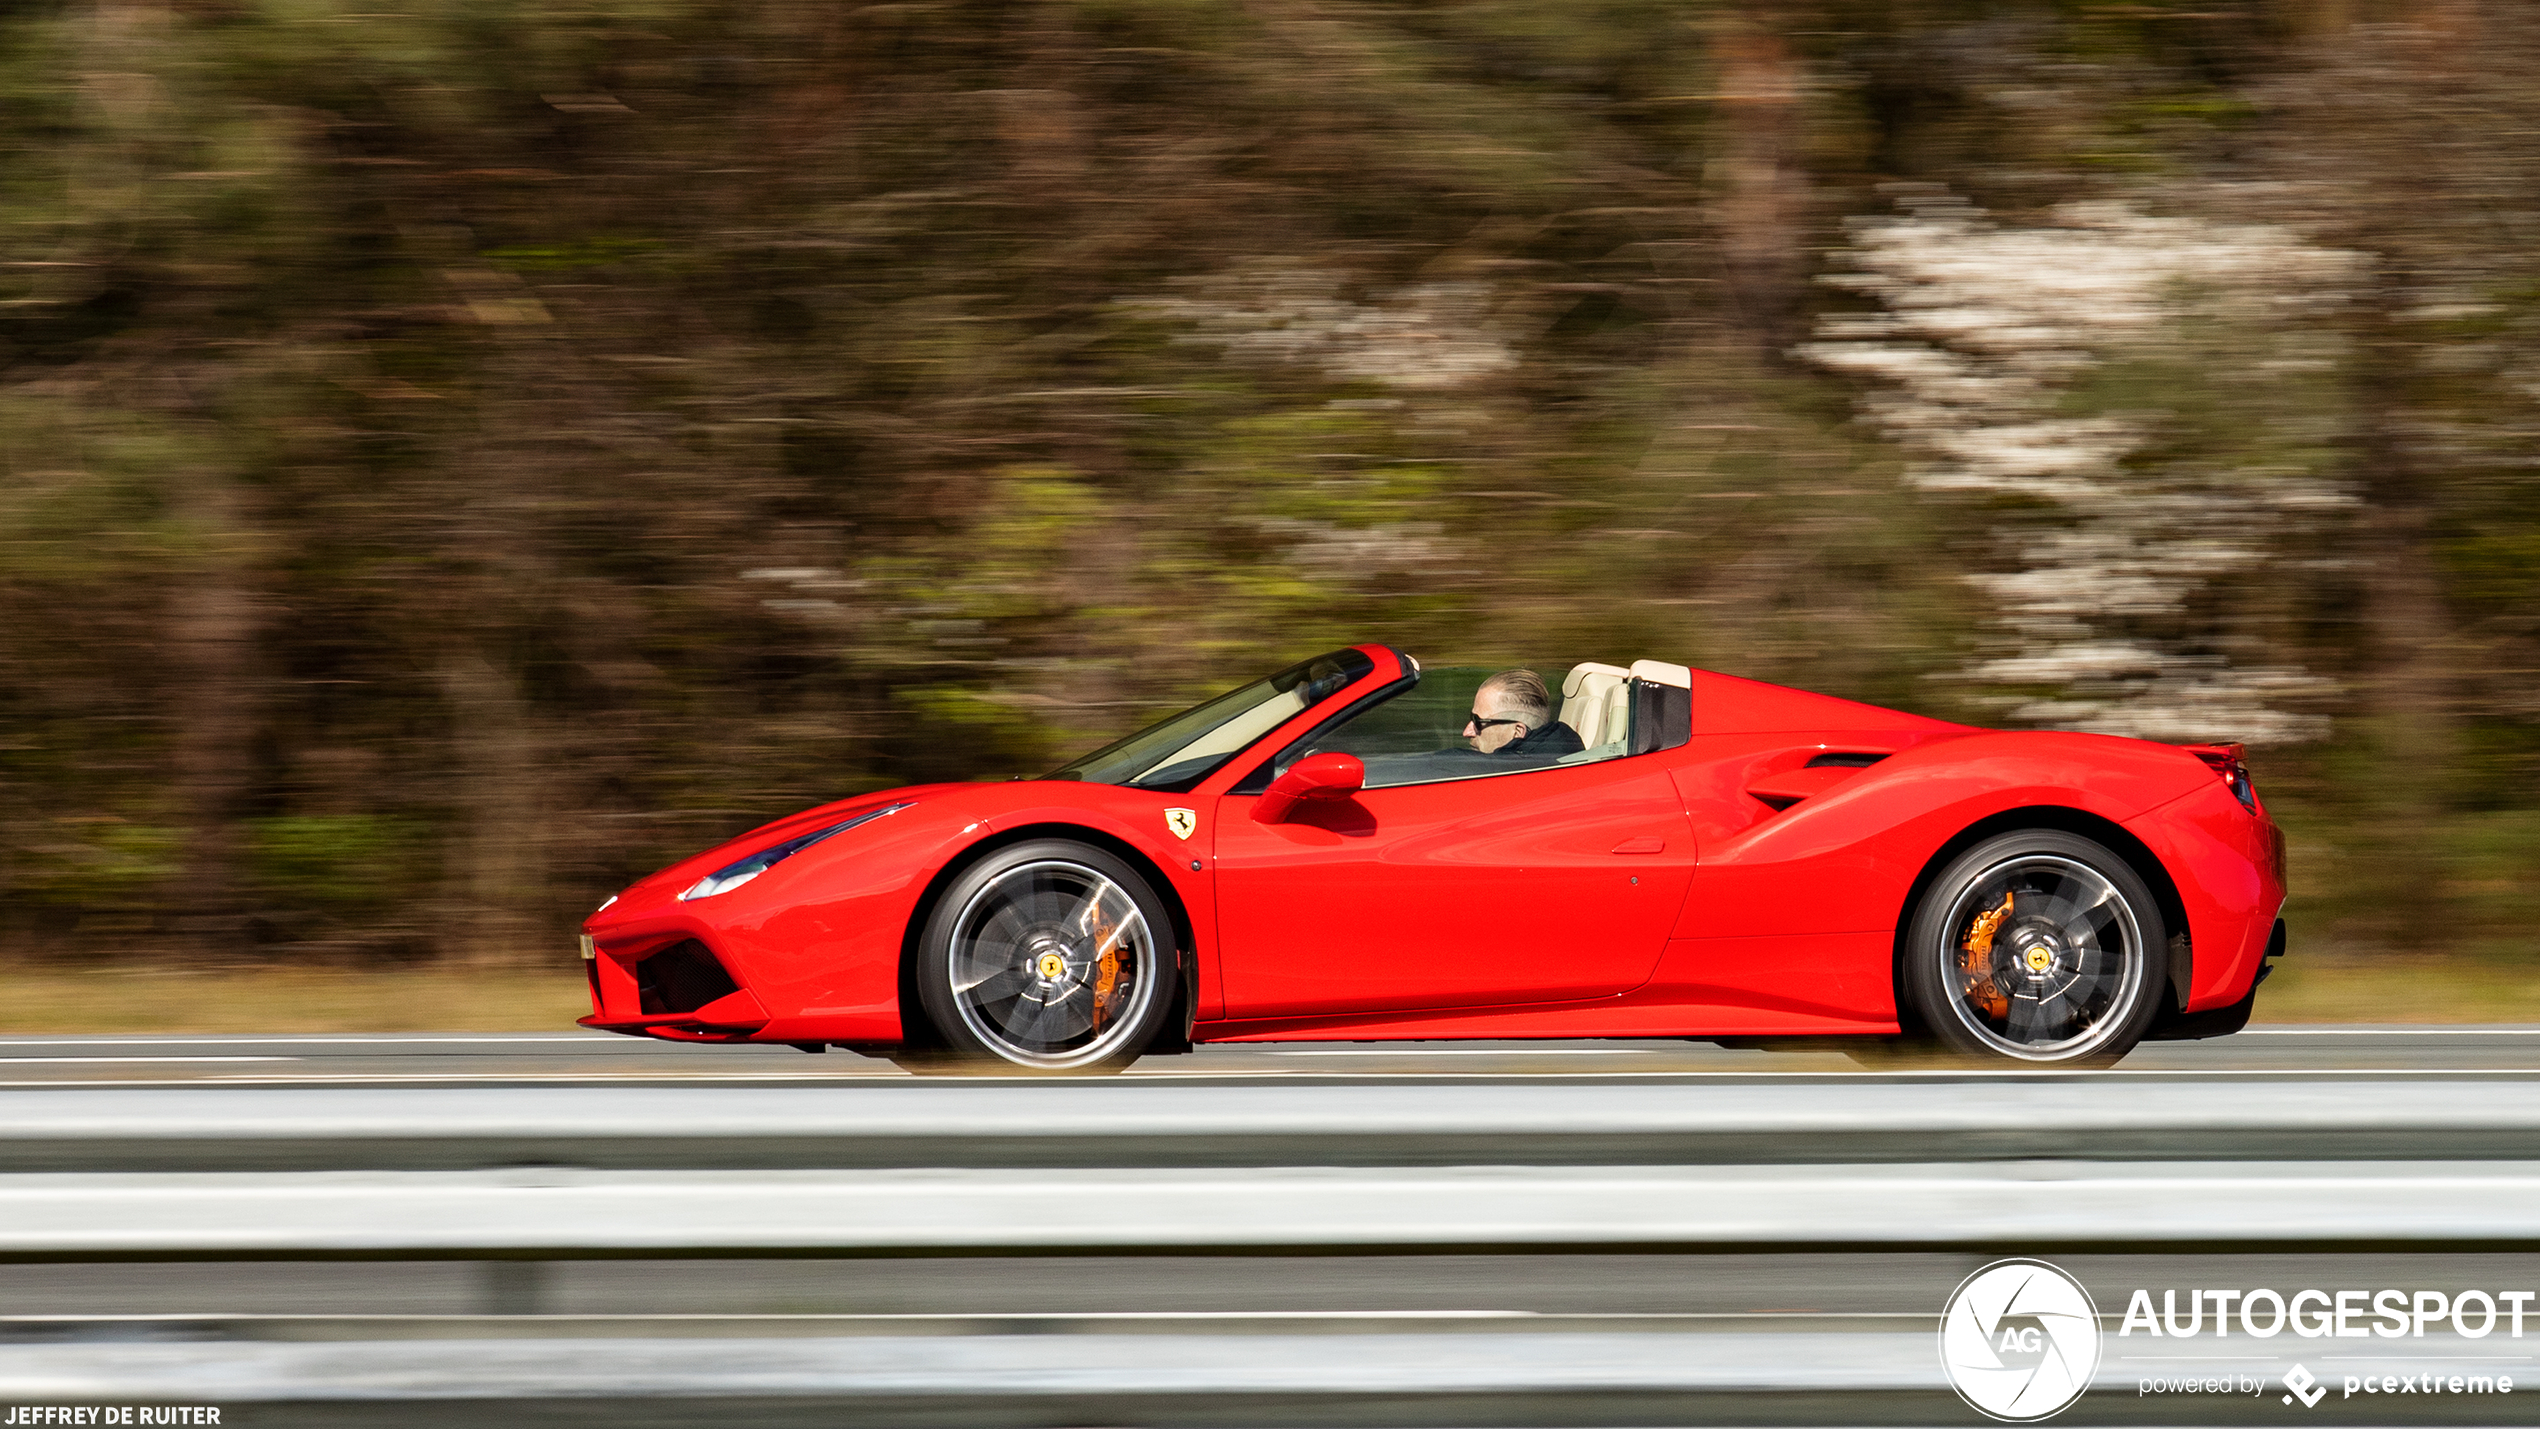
[(1179, 752)]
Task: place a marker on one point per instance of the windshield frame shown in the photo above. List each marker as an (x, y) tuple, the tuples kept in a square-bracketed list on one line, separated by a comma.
[(1133, 762)]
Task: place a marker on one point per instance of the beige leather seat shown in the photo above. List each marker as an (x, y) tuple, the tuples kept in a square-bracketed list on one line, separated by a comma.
[(1595, 701)]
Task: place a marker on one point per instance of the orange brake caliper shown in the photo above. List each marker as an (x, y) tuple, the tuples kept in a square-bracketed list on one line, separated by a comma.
[(1106, 968), (1978, 961)]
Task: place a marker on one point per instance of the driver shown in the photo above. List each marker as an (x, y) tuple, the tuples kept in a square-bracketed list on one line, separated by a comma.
[(1512, 715)]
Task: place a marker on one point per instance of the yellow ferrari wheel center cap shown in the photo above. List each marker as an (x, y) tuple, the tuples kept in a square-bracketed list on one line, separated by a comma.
[(2038, 959), (1053, 967)]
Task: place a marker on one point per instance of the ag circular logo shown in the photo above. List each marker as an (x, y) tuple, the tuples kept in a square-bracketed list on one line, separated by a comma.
[(2020, 1340)]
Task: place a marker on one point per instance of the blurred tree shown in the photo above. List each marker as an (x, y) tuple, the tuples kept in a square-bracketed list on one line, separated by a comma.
[(460, 458)]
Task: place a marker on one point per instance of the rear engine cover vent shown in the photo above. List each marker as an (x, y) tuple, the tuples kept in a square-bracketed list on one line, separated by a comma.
[(682, 978), (1845, 759)]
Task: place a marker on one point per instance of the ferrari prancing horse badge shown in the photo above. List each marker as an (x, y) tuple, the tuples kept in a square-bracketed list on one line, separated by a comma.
[(1181, 822)]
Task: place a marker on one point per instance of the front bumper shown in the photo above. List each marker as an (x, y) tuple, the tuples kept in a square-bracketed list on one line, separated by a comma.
[(681, 991)]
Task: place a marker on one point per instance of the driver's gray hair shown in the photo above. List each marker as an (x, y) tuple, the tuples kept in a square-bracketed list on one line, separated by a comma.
[(1523, 695)]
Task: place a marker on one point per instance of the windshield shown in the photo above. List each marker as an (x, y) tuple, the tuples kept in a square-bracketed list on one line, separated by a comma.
[(1179, 752)]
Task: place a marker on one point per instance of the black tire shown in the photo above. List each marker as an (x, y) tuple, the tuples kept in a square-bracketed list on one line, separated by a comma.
[(1050, 956), (2067, 969)]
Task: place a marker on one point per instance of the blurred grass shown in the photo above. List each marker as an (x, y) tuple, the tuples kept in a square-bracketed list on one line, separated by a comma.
[(2324, 987), (2350, 987), (433, 999)]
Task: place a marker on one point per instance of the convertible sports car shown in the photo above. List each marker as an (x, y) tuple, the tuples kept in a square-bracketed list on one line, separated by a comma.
[(1349, 850)]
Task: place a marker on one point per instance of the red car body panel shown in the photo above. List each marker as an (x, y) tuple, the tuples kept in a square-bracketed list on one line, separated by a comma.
[(1559, 889), (2229, 869), (819, 936), (1740, 884)]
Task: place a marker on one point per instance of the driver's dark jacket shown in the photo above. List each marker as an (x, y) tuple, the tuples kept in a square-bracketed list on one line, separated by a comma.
[(1550, 742)]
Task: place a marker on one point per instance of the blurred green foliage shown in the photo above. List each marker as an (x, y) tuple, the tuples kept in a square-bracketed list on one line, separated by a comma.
[(355, 862), (92, 863), (459, 458)]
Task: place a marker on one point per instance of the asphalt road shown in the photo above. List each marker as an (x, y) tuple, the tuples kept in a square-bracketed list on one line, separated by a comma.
[(457, 1057)]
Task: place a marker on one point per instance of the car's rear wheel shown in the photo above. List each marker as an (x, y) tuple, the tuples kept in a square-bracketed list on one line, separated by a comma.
[(2037, 947), (1050, 956)]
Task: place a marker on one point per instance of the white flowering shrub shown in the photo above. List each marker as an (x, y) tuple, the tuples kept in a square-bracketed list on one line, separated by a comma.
[(2139, 407), (1430, 336)]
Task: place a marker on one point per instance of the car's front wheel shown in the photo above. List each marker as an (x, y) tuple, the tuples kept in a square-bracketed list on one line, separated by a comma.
[(2037, 947), (1050, 956)]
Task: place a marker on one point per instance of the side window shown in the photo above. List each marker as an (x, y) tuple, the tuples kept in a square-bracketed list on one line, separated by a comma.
[(1415, 735)]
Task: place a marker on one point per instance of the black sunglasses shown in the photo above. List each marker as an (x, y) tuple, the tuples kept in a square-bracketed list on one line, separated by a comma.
[(1479, 724)]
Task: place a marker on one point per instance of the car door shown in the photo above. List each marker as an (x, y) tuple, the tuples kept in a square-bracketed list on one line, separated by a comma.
[(1548, 884)]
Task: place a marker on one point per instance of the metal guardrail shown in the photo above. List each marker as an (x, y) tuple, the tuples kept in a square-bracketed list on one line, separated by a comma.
[(1122, 1124), (1043, 1365), (573, 1214), (1529, 1378), (509, 1176)]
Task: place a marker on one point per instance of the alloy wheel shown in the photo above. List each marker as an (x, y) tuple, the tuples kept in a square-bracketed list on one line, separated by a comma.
[(1052, 964)]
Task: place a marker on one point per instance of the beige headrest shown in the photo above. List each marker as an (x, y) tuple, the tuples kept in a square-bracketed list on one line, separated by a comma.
[(1577, 678)]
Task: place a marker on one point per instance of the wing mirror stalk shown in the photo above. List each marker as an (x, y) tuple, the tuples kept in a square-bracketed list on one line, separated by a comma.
[(1316, 776)]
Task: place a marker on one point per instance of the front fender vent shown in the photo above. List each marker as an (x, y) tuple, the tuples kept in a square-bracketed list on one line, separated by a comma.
[(682, 978)]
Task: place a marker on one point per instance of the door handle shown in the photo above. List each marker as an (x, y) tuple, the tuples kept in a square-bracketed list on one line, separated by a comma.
[(1646, 843)]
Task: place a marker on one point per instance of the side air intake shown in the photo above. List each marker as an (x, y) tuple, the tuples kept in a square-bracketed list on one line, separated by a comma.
[(682, 978)]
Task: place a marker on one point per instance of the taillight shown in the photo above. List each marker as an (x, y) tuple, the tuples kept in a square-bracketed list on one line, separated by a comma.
[(2227, 761)]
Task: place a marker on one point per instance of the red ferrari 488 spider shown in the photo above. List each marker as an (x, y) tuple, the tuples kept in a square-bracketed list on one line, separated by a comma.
[(1356, 848)]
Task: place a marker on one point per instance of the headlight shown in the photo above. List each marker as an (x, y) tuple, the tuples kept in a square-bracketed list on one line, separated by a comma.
[(724, 880)]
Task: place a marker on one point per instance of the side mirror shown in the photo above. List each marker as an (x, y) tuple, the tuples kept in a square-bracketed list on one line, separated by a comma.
[(1316, 776)]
